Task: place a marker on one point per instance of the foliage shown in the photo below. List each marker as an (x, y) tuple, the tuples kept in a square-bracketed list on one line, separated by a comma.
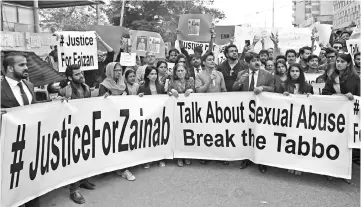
[(158, 16), (70, 18)]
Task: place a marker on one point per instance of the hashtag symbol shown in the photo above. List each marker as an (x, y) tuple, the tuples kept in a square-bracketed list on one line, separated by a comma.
[(356, 105), (17, 147), (61, 40)]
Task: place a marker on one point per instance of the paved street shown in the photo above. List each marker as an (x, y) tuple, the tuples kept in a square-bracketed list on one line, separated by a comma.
[(213, 185)]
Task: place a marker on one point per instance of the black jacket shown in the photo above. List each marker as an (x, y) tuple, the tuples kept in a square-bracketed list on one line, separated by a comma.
[(349, 85)]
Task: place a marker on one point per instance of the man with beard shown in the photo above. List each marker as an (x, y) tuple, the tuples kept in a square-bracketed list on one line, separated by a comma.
[(291, 57), (329, 66), (230, 67), (76, 89), (263, 56), (305, 52), (356, 57), (195, 65), (16, 91), (256, 80)]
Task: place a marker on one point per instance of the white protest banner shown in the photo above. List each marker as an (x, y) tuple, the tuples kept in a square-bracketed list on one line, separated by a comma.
[(316, 48), (46, 146), (243, 34), (77, 48), (128, 59), (294, 38), (288, 132), (354, 126), (353, 47), (323, 32)]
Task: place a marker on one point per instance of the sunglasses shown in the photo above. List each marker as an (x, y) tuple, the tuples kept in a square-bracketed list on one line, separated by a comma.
[(337, 48)]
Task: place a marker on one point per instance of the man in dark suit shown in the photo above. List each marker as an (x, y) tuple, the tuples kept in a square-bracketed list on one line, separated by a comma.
[(256, 80), (195, 65), (16, 91)]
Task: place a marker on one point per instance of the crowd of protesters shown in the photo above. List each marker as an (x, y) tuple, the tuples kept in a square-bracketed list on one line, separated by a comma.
[(266, 71)]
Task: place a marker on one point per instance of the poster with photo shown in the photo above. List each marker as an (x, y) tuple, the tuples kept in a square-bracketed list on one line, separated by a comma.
[(193, 26), (142, 43), (154, 44)]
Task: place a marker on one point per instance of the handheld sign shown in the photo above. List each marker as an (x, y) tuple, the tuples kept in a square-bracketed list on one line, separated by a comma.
[(77, 48), (194, 27), (128, 59)]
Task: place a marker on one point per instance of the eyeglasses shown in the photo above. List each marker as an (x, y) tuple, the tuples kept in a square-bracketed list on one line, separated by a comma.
[(181, 61), (337, 48)]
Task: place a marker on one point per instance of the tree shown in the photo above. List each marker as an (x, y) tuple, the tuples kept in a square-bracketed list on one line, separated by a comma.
[(70, 18), (159, 16)]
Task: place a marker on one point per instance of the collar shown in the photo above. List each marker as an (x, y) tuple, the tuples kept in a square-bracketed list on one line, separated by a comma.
[(255, 72), (13, 83)]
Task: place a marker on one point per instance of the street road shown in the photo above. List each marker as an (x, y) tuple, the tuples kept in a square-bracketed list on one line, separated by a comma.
[(213, 185)]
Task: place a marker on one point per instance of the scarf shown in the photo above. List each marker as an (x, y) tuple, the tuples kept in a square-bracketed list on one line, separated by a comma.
[(109, 83)]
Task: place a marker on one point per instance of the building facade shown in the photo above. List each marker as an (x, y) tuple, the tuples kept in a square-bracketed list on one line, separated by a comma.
[(307, 12), (346, 13)]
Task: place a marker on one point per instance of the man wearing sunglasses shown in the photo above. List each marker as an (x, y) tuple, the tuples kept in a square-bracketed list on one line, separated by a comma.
[(337, 46)]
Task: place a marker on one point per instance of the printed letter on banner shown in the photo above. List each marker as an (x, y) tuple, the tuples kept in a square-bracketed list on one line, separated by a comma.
[(46, 146), (354, 125), (77, 48), (295, 132)]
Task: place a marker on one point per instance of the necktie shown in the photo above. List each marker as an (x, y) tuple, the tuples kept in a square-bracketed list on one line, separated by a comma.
[(251, 87), (23, 94)]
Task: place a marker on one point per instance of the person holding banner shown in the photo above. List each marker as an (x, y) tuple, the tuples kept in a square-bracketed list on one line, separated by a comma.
[(181, 83), (295, 82), (16, 91), (344, 80), (256, 80), (151, 86), (230, 67), (356, 58), (111, 84), (76, 89)]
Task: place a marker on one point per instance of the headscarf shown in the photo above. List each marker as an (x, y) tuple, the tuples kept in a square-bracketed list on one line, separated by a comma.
[(116, 88)]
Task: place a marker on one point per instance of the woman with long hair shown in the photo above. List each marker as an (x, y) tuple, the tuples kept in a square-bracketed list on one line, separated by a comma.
[(181, 83), (151, 86), (111, 84), (162, 67), (296, 82), (280, 74), (344, 80)]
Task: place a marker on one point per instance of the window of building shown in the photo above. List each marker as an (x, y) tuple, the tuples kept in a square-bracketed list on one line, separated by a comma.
[(17, 18)]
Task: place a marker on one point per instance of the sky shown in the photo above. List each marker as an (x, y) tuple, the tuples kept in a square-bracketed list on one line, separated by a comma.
[(255, 12)]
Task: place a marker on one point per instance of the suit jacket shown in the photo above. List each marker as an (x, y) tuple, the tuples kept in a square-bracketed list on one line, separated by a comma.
[(8, 99), (144, 88), (265, 79)]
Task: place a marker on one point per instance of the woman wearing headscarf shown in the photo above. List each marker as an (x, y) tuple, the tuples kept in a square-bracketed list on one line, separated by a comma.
[(112, 84)]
